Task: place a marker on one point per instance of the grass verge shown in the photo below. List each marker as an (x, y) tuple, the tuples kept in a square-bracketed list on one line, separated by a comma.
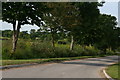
[(113, 71), (15, 62)]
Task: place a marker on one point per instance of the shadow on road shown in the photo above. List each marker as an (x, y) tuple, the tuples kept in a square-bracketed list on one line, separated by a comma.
[(105, 61)]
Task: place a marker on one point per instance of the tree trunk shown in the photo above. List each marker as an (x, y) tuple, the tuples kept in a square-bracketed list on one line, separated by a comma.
[(53, 41), (13, 41), (72, 43), (15, 36), (52, 36)]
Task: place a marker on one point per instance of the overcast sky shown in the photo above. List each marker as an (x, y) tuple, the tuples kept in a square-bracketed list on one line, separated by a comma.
[(108, 8)]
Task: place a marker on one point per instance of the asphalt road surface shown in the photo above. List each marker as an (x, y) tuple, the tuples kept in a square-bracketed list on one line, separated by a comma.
[(84, 68)]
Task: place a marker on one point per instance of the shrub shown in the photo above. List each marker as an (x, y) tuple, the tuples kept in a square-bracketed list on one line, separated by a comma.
[(91, 51), (118, 49), (109, 52), (6, 49), (61, 52), (78, 51), (23, 50), (42, 49)]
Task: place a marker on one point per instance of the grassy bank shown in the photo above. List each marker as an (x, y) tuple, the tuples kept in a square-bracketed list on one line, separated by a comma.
[(113, 71), (13, 62)]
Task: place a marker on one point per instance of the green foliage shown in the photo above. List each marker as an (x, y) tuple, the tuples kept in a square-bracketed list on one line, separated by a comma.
[(108, 51), (7, 33), (118, 49), (6, 47), (23, 12), (42, 49), (24, 35), (28, 49), (23, 51), (61, 52), (91, 50), (78, 51), (106, 32)]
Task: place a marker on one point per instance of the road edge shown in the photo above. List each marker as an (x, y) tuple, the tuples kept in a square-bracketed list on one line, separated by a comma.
[(106, 75), (16, 66), (33, 64)]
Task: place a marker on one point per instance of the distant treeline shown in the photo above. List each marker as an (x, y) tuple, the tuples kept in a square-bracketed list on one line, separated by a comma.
[(110, 40), (33, 35)]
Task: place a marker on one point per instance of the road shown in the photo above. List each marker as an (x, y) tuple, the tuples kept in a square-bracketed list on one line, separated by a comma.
[(84, 68)]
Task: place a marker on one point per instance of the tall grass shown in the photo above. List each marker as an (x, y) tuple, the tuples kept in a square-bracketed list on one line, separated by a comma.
[(27, 49)]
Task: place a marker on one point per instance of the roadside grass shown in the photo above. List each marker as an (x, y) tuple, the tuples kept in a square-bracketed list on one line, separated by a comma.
[(113, 71), (15, 62)]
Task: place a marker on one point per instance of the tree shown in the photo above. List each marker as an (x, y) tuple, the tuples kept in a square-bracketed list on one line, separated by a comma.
[(0, 10), (43, 35), (20, 13), (7, 33), (107, 32), (52, 18), (78, 18), (69, 20), (71, 17), (117, 37)]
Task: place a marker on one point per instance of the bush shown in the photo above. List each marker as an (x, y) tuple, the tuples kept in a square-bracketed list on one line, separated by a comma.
[(6, 49), (61, 52), (109, 52), (118, 49), (91, 51), (78, 51), (42, 49), (23, 50)]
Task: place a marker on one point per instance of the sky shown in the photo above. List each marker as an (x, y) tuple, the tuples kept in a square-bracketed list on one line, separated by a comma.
[(109, 7)]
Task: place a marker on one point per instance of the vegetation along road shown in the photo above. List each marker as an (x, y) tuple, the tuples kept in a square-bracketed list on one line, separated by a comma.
[(84, 68)]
